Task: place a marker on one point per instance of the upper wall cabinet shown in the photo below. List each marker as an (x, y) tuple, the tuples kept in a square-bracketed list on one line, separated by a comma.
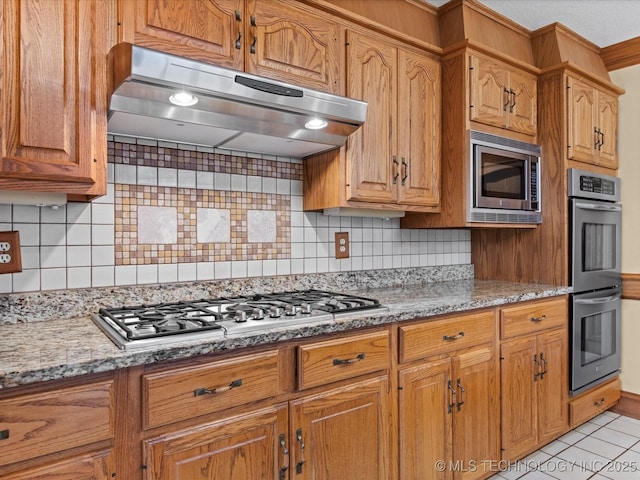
[(502, 96), (279, 39), (592, 124), (53, 97), (393, 160)]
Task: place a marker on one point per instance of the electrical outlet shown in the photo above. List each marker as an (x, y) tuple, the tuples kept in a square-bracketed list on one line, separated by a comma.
[(10, 259), (342, 244)]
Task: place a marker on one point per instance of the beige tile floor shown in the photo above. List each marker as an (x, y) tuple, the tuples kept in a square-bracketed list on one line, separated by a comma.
[(605, 448)]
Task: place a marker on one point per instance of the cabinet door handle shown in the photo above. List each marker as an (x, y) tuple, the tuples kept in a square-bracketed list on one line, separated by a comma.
[(535, 360), (538, 319), (238, 16), (349, 361), (238, 41), (405, 171), (506, 103), (453, 337), (302, 460), (285, 457), (543, 366), (252, 48), (213, 391), (452, 392), (513, 100), (601, 140), (462, 394), (599, 403), (394, 159), (596, 143)]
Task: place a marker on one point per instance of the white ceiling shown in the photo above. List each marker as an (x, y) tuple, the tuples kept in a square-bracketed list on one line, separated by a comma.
[(603, 22)]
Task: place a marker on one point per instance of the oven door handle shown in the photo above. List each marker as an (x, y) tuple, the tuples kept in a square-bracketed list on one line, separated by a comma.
[(594, 206), (594, 301)]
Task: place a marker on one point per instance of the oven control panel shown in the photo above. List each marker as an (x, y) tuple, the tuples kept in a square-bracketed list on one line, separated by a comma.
[(584, 184)]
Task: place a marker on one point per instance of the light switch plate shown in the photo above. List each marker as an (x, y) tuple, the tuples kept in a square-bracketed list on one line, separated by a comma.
[(10, 258)]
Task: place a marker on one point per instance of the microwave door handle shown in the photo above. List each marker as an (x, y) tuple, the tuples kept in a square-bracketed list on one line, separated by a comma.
[(596, 301), (593, 206)]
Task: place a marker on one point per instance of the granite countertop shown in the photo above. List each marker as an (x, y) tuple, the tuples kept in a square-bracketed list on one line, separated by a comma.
[(35, 351)]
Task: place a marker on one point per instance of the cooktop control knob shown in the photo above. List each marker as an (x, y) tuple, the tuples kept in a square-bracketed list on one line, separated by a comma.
[(257, 314), (305, 308), (290, 310), (241, 316), (275, 312)]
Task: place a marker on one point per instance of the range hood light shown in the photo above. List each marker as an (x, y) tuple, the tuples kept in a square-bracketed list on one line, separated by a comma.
[(316, 124), (183, 99)]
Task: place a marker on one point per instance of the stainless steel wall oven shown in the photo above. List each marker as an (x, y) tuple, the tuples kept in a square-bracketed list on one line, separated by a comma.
[(595, 232)]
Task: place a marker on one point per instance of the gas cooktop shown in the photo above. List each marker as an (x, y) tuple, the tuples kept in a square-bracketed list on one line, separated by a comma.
[(145, 325)]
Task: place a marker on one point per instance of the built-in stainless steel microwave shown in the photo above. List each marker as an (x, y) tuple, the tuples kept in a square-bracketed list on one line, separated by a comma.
[(504, 180)]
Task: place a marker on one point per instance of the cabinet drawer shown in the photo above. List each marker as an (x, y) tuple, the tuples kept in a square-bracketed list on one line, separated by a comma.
[(594, 402), (332, 360), (446, 335), (39, 424), (533, 317), (188, 392)]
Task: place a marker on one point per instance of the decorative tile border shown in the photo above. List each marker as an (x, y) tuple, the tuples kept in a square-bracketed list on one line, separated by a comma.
[(202, 161), (174, 213)]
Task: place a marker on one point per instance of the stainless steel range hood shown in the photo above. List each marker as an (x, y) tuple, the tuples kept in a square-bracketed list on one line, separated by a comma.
[(234, 110)]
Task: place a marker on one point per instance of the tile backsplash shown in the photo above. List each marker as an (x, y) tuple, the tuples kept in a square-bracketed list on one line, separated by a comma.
[(176, 213)]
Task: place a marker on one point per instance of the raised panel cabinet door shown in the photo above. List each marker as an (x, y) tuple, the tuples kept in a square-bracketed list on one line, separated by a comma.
[(519, 420), (419, 119), (53, 96), (253, 445), (373, 167), (93, 466), (582, 118), (426, 407), (523, 111), (489, 92), (553, 385), (293, 44), (476, 419), (207, 30), (342, 433), (608, 124)]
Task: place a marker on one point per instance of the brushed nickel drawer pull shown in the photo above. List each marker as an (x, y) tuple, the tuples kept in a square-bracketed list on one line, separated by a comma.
[(213, 391), (462, 394), (348, 361), (4, 434), (453, 337), (538, 319), (599, 403), (301, 459)]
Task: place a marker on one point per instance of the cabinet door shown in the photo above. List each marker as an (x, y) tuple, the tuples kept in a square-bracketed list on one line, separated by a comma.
[(489, 92), (553, 386), (582, 113), (476, 420), (86, 467), (342, 433), (373, 170), (236, 448), (523, 111), (293, 44), (425, 411), (608, 124), (53, 96), (519, 397), (418, 129), (208, 30)]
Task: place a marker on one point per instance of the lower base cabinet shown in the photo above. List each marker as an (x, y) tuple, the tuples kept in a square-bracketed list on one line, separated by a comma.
[(95, 466), (449, 417)]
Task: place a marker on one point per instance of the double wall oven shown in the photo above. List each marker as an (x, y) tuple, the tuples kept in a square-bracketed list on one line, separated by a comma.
[(595, 236)]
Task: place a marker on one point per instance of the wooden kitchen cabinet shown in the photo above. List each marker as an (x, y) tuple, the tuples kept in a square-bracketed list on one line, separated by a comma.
[(502, 95), (534, 375), (53, 97), (278, 39), (393, 160), (449, 407), (592, 130), (37, 427)]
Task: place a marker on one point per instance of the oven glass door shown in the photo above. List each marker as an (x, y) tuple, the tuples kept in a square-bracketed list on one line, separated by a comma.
[(596, 337), (595, 238), (502, 178)]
